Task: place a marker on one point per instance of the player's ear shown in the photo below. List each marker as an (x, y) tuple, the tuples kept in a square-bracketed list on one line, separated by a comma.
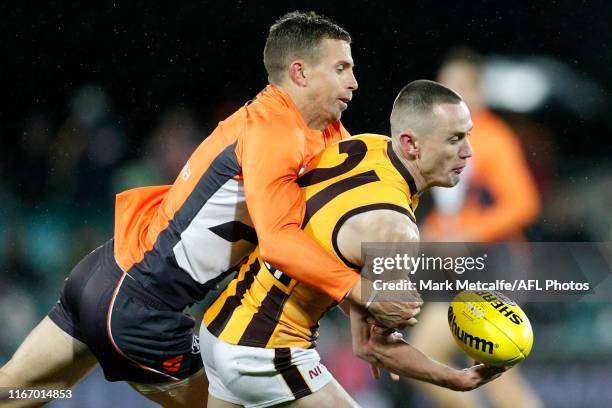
[(297, 73), (409, 144)]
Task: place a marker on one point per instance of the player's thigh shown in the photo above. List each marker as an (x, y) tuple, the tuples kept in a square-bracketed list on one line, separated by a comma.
[(331, 395), (189, 392), (48, 356), (431, 334)]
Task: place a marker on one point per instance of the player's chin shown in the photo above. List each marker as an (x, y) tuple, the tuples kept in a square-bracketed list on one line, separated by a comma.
[(454, 177), (341, 107), (336, 115), (450, 181)]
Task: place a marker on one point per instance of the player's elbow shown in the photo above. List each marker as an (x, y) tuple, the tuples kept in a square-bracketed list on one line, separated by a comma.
[(269, 249)]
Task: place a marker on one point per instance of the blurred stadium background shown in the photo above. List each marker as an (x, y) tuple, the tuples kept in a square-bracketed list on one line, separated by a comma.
[(101, 98)]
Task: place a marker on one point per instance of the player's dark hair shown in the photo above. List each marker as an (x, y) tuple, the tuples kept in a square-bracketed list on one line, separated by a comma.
[(298, 35), (417, 100)]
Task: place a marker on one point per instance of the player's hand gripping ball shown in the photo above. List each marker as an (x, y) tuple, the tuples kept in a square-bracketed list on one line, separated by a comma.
[(490, 328)]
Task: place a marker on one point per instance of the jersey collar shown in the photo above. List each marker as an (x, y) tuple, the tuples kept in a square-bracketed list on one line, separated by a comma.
[(403, 171), (280, 96)]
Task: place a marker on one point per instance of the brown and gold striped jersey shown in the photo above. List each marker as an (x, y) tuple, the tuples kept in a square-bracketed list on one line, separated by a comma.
[(261, 306)]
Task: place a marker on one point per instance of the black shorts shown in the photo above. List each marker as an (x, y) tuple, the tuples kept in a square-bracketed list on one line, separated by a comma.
[(134, 336)]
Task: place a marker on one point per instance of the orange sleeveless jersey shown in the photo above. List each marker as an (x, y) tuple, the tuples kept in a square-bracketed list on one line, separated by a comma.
[(176, 240)]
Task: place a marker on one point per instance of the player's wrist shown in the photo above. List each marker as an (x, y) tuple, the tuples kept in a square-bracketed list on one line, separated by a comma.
[(457, 380), (354, 294), (447, 377)]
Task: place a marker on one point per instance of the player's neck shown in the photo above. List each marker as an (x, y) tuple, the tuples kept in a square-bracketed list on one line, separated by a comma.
[(310, 114), (412, 168)]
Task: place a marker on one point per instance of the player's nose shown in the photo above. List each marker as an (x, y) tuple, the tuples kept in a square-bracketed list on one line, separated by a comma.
[(352, 84), (466, 151)]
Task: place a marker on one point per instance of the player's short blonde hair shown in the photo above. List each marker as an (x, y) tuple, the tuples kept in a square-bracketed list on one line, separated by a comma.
[(298, 35)]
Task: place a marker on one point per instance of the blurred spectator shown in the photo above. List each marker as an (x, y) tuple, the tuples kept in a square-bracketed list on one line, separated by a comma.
[(172, 142), (169, 147), (495, 199), (87, 147), (579, 208), (18, 314), (18, 280), (14, 265), (497, 196), (31, 163)]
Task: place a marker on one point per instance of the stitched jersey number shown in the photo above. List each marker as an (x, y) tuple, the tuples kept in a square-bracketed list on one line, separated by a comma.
[(356, 150)]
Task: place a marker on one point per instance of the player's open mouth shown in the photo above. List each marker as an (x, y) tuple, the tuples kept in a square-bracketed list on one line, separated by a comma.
[(459, 169), (345, 102)]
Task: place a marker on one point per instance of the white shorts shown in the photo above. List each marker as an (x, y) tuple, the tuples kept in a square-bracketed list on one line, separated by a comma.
[(259, 377)]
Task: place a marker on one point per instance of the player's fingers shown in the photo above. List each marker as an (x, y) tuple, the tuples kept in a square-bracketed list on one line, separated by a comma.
[(410, 313), (382, 331), (490, 372), (498, 371), (495, 369), (412, 305), (402, 326), (415, 297), (397, 336), (412, 322), (486, 380), (375, 372)]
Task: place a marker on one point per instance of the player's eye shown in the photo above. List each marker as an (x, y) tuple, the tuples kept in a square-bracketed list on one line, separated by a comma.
[(456, 138)]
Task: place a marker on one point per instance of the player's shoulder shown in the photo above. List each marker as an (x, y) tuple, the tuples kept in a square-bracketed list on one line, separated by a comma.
[(371, 138), (271, 104), (368, 142), (265, 112), (271, 118), (336, 132)]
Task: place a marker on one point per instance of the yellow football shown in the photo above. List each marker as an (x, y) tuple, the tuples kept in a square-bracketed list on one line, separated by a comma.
[(490, 328)]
